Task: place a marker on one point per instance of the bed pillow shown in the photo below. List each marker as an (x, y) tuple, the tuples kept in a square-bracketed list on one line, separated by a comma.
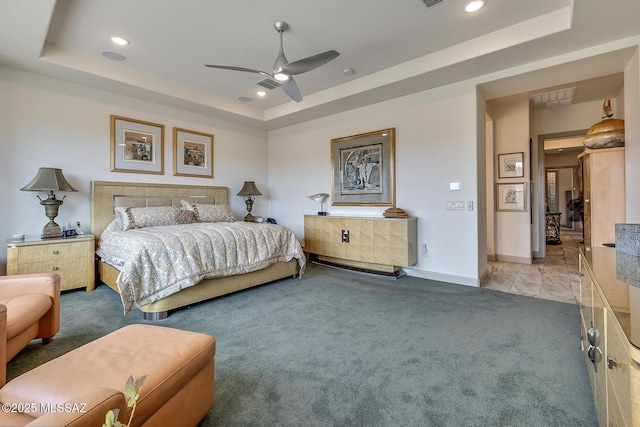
[(209, 213), (185, 216), (130, 218)]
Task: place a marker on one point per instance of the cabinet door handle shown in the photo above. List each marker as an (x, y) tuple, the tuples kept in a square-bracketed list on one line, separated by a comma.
[(595, 355), (613, 364), (592, 336), (55, 268), (56, 252)]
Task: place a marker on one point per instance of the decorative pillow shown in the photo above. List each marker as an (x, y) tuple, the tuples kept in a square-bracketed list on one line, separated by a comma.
[(146, 217), (209, 213), (185, 216)]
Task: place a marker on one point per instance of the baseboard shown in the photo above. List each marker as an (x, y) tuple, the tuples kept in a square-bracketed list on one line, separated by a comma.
[(516, 259), (441, 277), (491, 258)]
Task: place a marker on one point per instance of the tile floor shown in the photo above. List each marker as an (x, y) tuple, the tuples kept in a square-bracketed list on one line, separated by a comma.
[(554, 277)]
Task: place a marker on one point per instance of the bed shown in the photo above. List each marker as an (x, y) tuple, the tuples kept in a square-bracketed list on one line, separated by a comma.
[(108, 198)]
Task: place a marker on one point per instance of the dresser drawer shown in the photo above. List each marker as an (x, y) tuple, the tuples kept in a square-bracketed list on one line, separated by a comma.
[(38, 253), (60, 266)]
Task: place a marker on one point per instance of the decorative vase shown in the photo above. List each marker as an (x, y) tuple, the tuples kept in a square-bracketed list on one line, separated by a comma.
[(607, 133)]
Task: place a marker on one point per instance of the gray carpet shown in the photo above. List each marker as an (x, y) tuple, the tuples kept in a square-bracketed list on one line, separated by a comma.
[(344, 349)]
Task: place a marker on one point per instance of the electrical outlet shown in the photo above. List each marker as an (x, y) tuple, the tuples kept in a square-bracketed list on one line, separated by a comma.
[(470, 205), (424, 250)]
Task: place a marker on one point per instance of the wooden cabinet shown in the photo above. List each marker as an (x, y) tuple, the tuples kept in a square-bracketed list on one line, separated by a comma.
[(610, 338), (594, 344), (604, 194), (370, 243), (72, 258)]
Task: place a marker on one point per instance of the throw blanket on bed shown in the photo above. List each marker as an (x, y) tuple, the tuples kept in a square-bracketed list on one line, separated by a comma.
[(155, 262)]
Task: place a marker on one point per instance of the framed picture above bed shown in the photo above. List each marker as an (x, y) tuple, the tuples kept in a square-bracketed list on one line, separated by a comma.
[(192, 153), (364, 169), (136, 146)]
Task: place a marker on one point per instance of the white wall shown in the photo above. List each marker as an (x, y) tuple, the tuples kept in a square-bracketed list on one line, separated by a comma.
[(481, 205), (632, 138), (47, 122), (511, 135), (436, 133), (570, 118)]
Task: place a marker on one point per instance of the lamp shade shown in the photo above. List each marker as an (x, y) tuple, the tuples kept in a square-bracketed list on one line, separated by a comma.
[(49, 179), (249, 189)]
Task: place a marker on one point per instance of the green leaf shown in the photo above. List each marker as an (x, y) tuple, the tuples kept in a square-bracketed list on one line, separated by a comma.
[(110, 420), (132, 389)]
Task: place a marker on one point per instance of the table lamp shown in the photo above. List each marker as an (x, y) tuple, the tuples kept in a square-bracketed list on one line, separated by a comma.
[(320, 197), (249, 189), (50, 179)]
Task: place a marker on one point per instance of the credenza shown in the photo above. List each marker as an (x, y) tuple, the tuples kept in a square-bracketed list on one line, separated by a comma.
[(375, 244), (610, 338)]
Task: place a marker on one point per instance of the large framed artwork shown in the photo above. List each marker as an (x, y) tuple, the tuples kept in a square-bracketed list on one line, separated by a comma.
[(511, 197), (136, 146), (363, 169), (192, 153), (511, 165)]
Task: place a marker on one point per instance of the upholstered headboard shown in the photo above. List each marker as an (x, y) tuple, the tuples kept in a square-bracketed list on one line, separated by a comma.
[(106, 195)]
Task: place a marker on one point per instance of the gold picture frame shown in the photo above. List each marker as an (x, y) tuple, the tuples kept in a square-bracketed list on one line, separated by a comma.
[(511, 197), (363, 169), (192, 153), (136, 146), (511, 165)]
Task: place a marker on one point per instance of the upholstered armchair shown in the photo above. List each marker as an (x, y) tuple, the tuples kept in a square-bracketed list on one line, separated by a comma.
[(29, 309)]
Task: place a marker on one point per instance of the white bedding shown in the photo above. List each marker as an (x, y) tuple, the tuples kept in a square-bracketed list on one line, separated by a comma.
[(155, 262)]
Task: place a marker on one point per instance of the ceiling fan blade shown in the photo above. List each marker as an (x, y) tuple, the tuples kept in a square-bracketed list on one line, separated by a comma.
[(248, 70), (309, 63), (290, 87)]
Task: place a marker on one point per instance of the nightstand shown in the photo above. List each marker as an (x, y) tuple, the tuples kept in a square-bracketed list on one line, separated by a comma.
[(72, 258)]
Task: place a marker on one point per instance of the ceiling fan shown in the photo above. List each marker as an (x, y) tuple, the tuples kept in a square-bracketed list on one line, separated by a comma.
[(283, 70)]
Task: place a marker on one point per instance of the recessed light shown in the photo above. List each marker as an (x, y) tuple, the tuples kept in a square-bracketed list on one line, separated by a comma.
[(261, 93), (474, 5), (120, 41)]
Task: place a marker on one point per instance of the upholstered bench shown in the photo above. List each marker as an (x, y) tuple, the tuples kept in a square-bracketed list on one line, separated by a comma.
[(178, 390)]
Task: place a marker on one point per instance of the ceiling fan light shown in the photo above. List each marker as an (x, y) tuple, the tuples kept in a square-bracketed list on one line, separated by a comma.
[(281, 77)]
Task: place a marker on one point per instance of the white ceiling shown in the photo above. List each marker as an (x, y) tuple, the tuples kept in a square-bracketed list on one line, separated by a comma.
[(395, 48)]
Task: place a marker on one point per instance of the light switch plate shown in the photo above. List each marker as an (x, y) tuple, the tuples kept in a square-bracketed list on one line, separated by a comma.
[(455, 186), (455, 205)]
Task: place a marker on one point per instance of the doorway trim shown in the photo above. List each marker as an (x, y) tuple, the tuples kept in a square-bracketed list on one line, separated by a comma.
[(540, 180)]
